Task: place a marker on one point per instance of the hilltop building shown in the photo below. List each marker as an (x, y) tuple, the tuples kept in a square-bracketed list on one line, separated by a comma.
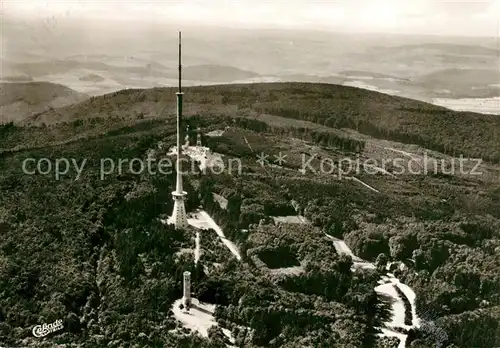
[(198, 137), (186, 139)]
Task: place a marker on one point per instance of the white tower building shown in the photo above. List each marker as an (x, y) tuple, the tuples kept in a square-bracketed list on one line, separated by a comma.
[(179, 218), (198, 137), (186, 297), (186, 138)]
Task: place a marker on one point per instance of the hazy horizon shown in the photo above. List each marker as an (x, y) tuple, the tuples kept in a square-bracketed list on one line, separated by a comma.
[(424, 17), (412, 49)]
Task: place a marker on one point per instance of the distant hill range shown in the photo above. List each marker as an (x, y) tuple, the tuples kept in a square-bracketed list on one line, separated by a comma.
[(123, 68), (217, 73), (91, 78), (464, 82), (447, 48), (424, 71), (8, 73), (371, 113), (367, 74), (21, 100)]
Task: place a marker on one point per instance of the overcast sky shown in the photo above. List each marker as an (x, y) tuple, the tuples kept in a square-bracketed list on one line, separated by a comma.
[(470, 18)]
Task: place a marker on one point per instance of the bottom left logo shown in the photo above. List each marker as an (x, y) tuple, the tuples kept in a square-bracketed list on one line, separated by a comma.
[(45, 329)]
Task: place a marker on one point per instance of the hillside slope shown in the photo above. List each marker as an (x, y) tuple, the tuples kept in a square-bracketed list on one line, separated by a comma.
[(372, 113), (24, 99)]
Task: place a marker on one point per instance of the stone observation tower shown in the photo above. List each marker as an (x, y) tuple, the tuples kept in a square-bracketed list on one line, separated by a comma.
[(179, 218), (186, 297)]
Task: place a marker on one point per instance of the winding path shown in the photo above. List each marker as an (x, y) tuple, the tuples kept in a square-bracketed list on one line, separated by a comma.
[(364, 184), (197, 247), (387, 289), (204, 221)]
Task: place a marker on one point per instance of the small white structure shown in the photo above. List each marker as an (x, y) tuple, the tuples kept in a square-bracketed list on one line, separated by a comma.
[(186, 297), (201, 154), (216, 133)]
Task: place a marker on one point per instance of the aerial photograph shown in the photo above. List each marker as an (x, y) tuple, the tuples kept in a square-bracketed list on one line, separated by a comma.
[(250, 174)]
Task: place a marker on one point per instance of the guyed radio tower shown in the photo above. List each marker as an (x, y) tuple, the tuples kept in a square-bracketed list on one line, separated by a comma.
[(179, 218)]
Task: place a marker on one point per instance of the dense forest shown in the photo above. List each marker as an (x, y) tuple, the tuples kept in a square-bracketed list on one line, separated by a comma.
[(93, 252)]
